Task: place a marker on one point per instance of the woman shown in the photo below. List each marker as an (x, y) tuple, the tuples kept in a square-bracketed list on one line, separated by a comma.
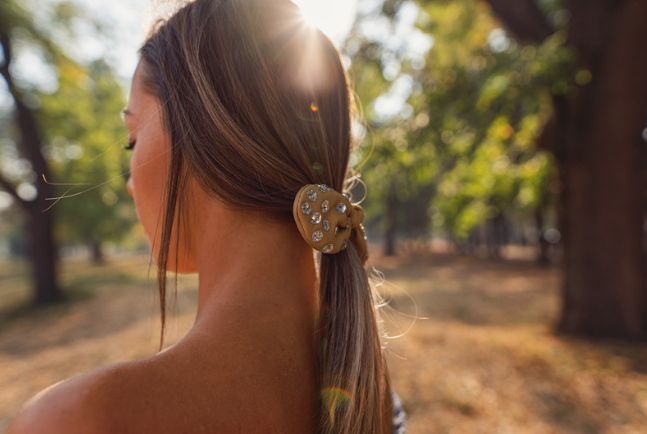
[(239, 121)]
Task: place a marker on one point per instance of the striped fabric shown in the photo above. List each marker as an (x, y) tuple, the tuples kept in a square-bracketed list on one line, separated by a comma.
[(399, 415)]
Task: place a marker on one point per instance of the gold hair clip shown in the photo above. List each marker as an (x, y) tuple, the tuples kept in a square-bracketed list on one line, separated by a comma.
[(327, 220)]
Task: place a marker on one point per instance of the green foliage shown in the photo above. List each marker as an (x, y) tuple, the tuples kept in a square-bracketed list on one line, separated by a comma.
[(465, 150), (85, 138)]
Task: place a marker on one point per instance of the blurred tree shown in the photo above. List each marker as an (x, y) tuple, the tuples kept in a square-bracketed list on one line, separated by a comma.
[(70, 133), (571, 79), (30, 193), (459, 152), (595, 135)]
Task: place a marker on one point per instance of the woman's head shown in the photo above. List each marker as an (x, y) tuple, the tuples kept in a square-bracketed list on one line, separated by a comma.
[(252, 102), (245, 105)]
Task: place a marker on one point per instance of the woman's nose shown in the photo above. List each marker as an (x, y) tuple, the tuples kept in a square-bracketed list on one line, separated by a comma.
[(130, 187)]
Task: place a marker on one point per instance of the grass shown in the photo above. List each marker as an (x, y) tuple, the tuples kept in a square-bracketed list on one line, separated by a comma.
[(483, 361)]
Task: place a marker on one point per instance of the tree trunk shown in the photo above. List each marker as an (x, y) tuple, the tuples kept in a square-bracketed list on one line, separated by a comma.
[(44, 258), (542, 257), (601, 158), (496, 235), (39, 228), (391, 221), (96, 252)]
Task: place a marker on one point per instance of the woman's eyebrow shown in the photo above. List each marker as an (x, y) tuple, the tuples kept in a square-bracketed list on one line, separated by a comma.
[(126, 112)]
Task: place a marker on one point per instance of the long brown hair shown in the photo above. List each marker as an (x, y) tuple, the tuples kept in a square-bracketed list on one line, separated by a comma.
[(257, 105)]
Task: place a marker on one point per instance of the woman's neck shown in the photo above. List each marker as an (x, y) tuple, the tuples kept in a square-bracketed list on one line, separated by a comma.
[(252, 267)]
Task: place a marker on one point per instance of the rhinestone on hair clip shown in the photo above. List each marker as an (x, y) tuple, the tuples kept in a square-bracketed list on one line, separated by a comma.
[(327, 220)]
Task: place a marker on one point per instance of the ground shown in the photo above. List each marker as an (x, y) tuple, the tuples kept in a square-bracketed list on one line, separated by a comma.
[(480, 358)]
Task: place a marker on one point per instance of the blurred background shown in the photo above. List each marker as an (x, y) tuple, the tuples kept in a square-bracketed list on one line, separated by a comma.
[(504, 146)]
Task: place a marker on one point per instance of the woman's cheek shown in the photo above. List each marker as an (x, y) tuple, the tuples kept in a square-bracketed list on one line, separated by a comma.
[(148, 186)]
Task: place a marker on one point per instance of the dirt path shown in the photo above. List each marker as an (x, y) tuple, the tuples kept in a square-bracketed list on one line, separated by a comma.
[(484, 360)]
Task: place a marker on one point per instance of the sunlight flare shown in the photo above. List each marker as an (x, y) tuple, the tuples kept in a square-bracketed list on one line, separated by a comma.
[(333, 17)]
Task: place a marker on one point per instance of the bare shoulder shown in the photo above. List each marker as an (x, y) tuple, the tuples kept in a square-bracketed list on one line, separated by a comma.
[(127, 398), (167, 393), (75, 405)]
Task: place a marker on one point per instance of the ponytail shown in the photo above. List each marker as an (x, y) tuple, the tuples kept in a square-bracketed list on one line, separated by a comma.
[(354, 382)]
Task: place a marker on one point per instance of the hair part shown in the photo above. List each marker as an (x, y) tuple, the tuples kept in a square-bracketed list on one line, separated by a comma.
[(256, 105)]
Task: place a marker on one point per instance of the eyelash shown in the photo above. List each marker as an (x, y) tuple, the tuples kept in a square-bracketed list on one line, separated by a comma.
[(130, 145)]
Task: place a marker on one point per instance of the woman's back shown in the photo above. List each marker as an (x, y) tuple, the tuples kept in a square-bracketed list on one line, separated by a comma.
[(263, 381)]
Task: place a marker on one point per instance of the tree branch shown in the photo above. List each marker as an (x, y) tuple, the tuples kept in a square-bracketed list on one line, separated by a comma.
[(4, 71), (30, 137), (30, 142), (11, 189), (523, 19)]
